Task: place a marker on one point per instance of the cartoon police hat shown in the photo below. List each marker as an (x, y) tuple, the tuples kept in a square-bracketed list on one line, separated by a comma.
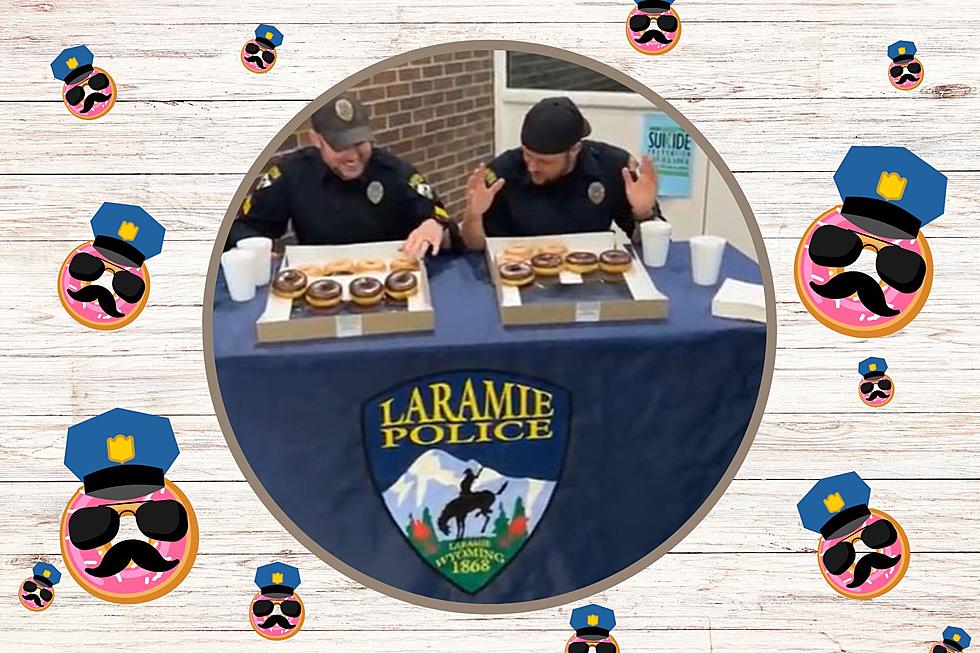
[(889, 191), (277, 579), (592, 621), (126, 234), (121, 454), (343, 122), (901, 51), (72, 64), (956, 638), (268, 36), (872, 368), (46, 574), (653, 6), (835, 506)]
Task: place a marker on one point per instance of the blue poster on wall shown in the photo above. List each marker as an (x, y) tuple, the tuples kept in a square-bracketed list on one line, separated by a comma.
[(672, 150)]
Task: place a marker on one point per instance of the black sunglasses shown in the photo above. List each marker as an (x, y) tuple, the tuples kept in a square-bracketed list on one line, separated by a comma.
[(96, 82), (583, 647), (835, 246), (45, 594), (267, 55), (896, 71), (85, 267), (89, 528), (290, 608), (640, 22), (839, 558), (868, 386)]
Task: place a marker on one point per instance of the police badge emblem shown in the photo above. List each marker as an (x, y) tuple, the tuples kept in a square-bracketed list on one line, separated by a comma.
[(344, 109), (375, 191), (466, 464), (597, 192)]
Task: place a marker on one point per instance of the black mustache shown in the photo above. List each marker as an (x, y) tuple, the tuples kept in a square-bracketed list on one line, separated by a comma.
[(877, 394), (120, 555), (876, 560), (276, 620), (846, 284), (907, 78), (91, 99), (97, 293), (651, 35), (33, 597), (256, 60)]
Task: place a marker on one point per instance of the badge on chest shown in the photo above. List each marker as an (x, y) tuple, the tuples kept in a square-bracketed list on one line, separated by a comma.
[(375, 192), (597, 192)]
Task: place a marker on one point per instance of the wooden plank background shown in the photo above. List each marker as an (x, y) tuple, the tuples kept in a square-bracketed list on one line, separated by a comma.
[(780, 88)]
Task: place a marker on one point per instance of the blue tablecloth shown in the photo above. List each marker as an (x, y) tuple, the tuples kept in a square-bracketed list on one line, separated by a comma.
[(658, 411)]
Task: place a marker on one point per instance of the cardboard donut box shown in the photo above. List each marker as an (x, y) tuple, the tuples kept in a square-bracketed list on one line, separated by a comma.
[(287, 319), (569, 298)]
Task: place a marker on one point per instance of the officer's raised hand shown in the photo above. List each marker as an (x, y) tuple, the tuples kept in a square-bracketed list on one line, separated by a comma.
[(480, 193), (427, 236), (642, 191)]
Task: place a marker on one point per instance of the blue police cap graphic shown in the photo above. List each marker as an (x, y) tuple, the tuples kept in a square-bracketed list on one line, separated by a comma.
[(46, 574), (121, 454), (126, 234), (653, 6), (592, 621), (902, 51), (268, 35), (872, 368), (889, 191), (277, 579), (956, 638), (72, 64), (836, 505)]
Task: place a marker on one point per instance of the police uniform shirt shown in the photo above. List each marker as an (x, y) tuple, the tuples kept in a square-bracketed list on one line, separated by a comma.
[(589, 198), (387, 202)]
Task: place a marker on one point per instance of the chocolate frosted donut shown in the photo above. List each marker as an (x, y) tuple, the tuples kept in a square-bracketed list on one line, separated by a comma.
[(581, 262), (401, 285), (516, 274), (547, 264), (289, 283), (324, 293), (615, 261), (366, 291)]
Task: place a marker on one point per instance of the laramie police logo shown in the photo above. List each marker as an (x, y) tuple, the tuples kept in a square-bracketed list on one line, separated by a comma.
[(466, 464)]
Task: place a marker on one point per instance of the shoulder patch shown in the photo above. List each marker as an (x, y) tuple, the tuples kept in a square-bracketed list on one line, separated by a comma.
[(269, 177), (421, 186), (490, 177), (247, 204), (632, 163)]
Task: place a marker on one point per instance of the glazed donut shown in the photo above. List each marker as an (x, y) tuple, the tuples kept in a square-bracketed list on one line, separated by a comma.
[(547, 264), (523, 252), (340, 266), (289, 283), (516, 274), (324, 293), (581, 262), (409, 263), (310, 269), (509, 258), (552, 248), (366, 291), (615, 261), (370, 265), (401, 285)]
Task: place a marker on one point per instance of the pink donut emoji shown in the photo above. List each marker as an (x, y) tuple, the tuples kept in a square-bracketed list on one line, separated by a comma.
[(88, 92), (955, 640), (653, 26), (905, 72), (862, 553), (277, 612), (121, 456), (876, 388), (889, 194), (104, 283), (37, 593), (259, 54)]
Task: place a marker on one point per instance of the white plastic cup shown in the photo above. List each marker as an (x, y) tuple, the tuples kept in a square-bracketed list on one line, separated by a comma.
[(239, 268), (655, 237), (263, 263), (706, 255)]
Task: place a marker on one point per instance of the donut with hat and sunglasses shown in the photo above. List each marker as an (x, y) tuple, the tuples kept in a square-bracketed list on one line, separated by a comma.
[(259, 53), (37, 593), (88, 92), (653, 26)]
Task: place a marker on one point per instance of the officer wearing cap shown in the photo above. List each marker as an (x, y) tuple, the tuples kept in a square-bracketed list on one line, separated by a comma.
[(592, 624), (277, 580), (121, 454), (344, 190), (836, 505), (558, 182), (872, 368), (889, 192), (955, 638)]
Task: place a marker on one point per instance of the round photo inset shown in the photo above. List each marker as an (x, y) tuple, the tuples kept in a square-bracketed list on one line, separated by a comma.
[(489, 327)]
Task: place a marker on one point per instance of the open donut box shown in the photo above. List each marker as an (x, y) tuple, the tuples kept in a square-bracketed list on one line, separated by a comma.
[(287, 319), (596, 297)]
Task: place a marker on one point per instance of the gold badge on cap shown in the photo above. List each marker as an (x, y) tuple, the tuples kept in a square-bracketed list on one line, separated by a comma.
[(344, 109), (375, 191), (597, 192)]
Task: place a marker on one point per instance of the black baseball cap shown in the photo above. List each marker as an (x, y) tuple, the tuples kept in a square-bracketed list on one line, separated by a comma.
[(553, 126), (343, 122)]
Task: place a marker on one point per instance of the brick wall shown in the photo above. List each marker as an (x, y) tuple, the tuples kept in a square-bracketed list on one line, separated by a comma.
[(437, 113)]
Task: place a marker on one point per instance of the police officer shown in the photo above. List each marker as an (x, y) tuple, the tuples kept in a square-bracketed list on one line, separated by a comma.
[(558, 182), (344, 190)]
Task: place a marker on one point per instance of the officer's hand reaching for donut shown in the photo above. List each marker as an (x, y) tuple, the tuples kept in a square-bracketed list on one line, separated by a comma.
[(641, 191), (427, 237)]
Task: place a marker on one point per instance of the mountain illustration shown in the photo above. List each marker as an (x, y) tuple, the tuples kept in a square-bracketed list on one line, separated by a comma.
[(433, 480)]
